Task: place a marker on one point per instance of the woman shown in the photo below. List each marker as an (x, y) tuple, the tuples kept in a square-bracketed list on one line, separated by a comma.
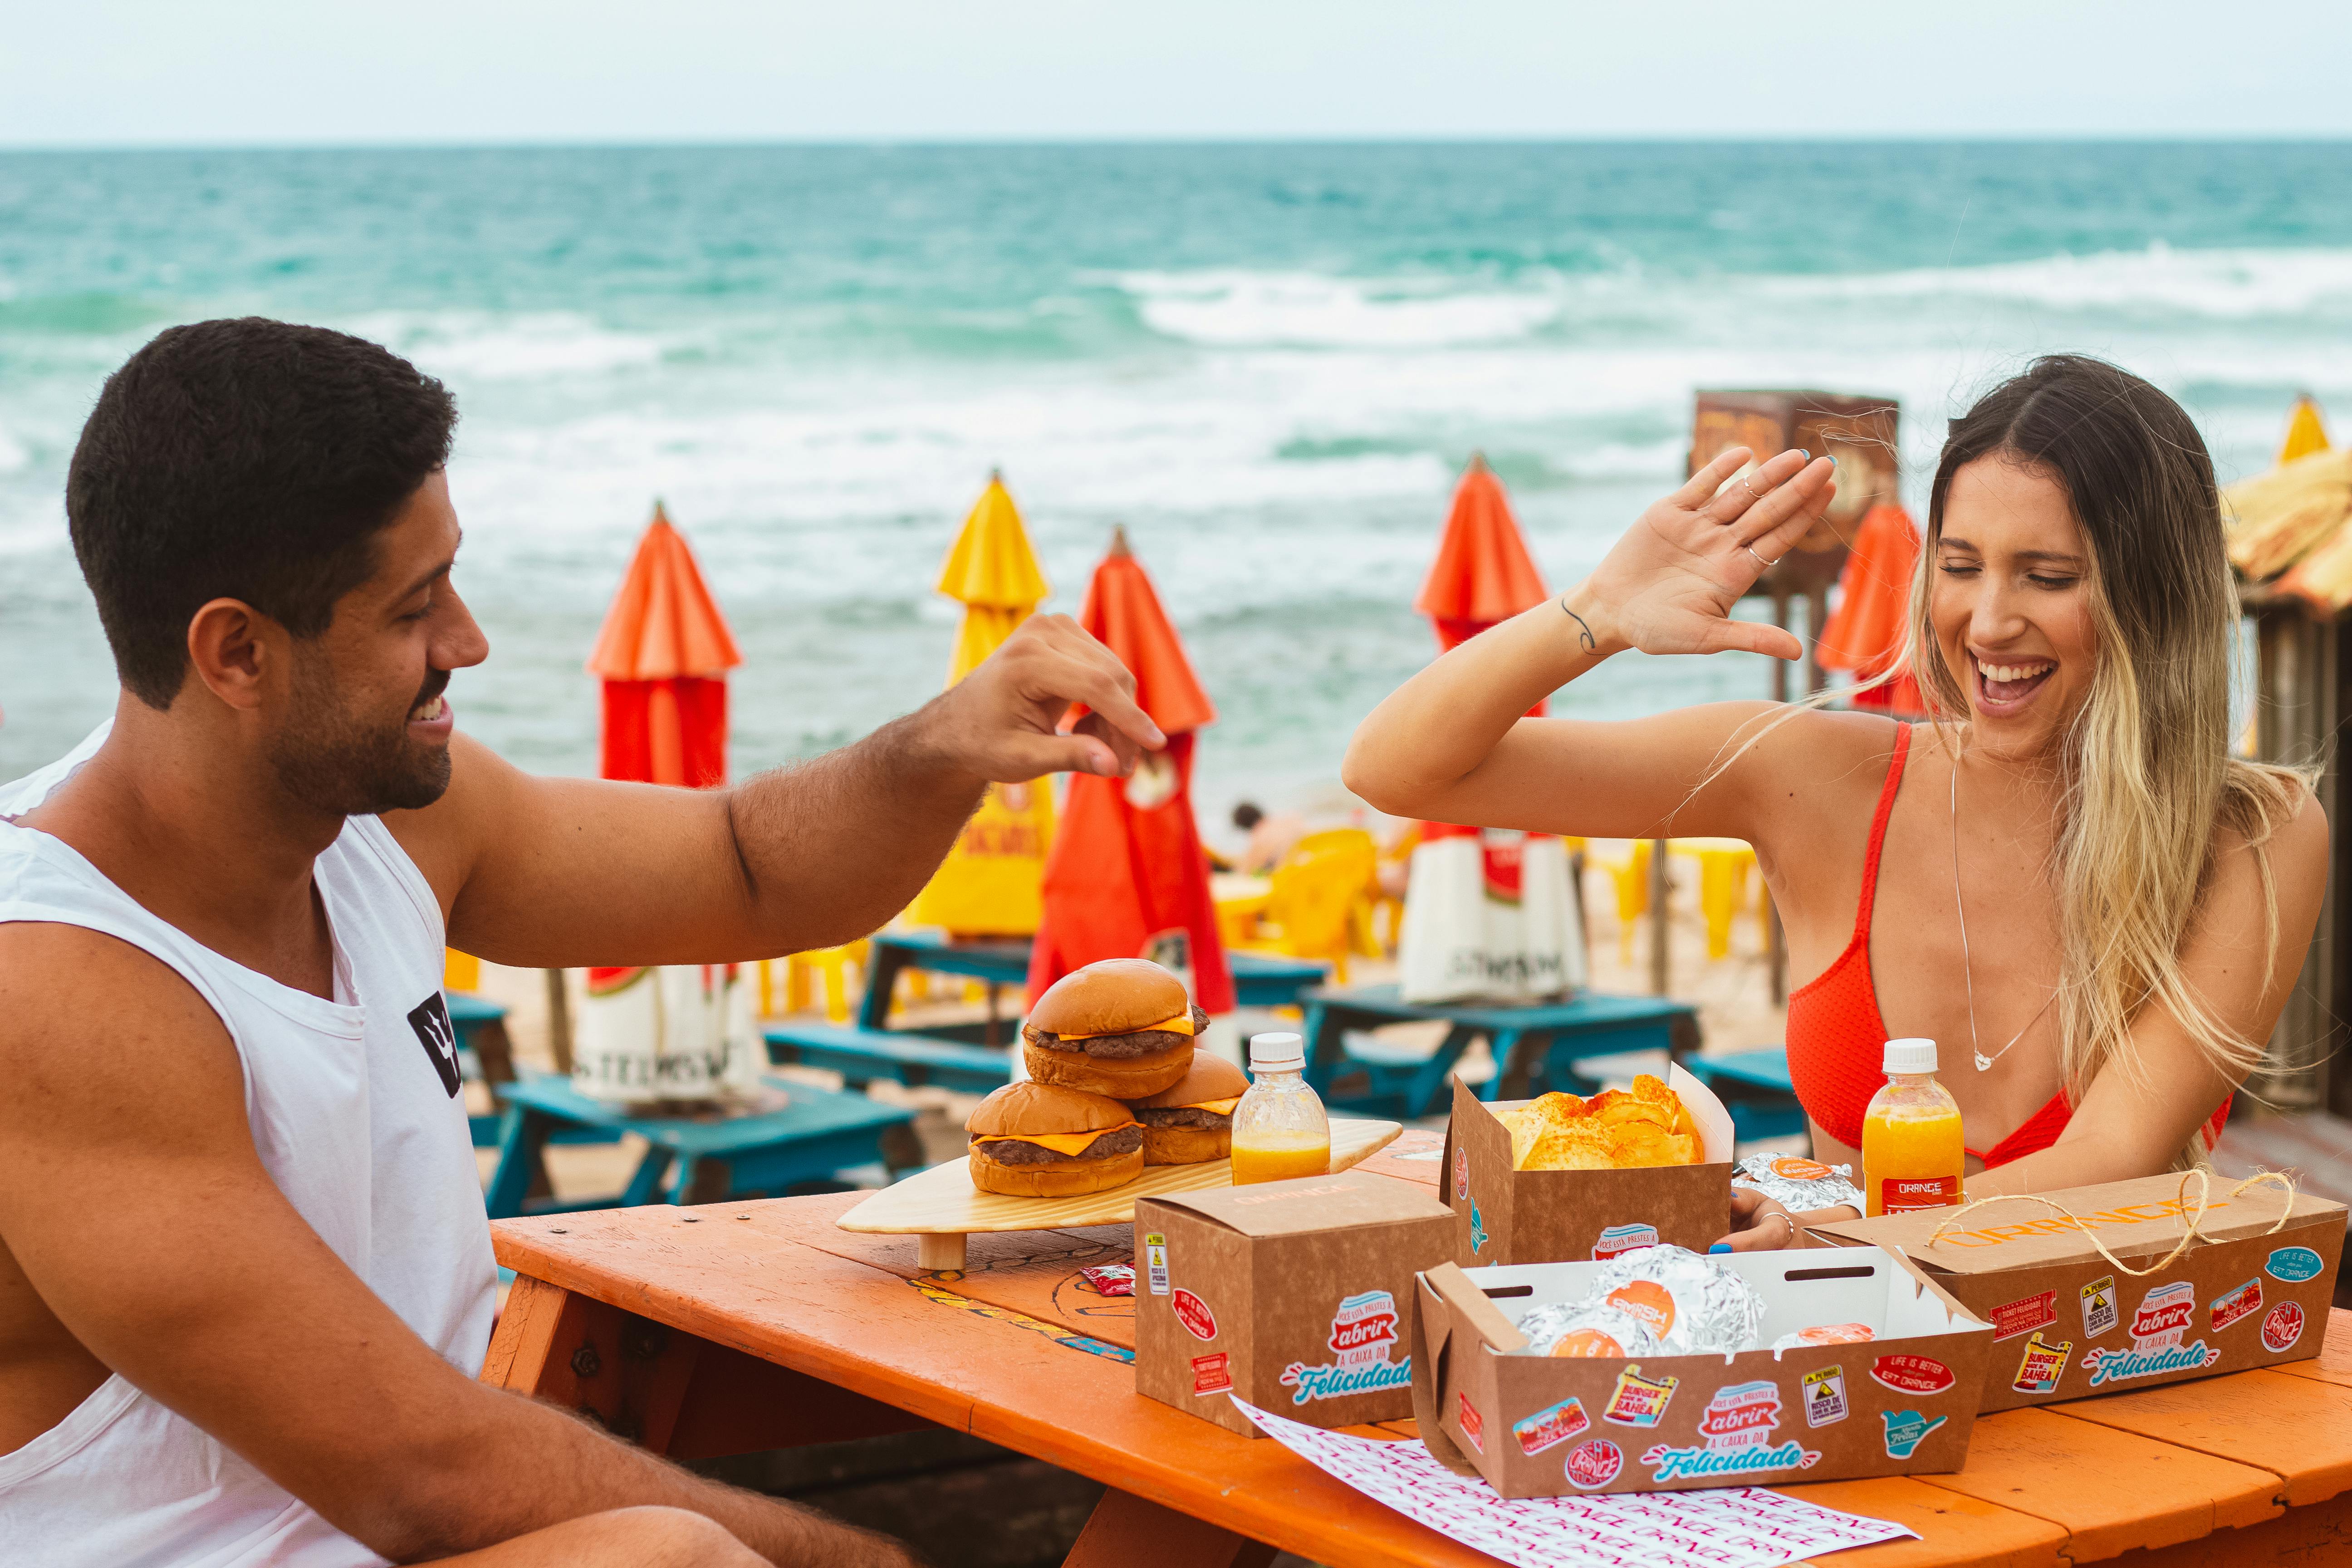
[(2066, 882)]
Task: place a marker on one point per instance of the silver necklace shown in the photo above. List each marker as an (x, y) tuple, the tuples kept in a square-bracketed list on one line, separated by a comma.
[(1967, 972)]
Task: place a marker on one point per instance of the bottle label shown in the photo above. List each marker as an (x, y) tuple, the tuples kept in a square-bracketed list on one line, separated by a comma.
[(1901, 1194)]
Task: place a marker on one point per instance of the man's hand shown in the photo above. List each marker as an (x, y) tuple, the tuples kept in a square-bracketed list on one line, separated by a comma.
[(1002, 722)]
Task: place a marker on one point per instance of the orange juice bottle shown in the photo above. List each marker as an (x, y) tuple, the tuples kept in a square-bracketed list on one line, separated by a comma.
[(1913, 1152), (1279, 1128)]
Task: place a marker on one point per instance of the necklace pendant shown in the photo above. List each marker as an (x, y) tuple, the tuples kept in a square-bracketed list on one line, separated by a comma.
[(1983, 1061)]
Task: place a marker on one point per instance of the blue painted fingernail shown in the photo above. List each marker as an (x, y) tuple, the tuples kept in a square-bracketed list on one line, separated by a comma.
[(1721, 1247), (1804, 451)]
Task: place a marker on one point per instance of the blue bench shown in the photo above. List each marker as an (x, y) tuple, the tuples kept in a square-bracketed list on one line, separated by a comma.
[(481, 1027), (802, 1137), (1754, 1086), (861, 1056)]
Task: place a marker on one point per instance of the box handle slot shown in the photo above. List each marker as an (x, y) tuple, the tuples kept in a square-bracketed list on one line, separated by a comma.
[(1864, 1272), (1504, 1292)]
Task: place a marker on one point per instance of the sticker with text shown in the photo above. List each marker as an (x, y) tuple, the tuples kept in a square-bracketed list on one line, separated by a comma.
[(2157, 1328), (1738, 1427), (1194, 1314), (1905, 1430), (1825, 1396), (1477, 1231), (1472, 1425), (2294, 1265), (1549, 1428), (2098, 1307), (1155, 1262), (1905, 1195), (1791, 1167), (1212, 1373), (2043, 1363), (2283, 1327), (1908, 1374), (2232, 1305), (1639, 1400), (2024, 1315), (1620, 1239), (1594, 1464), (1362, 1330)]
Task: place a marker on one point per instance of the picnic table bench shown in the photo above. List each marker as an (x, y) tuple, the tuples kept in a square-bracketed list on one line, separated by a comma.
[(799, 1134), (861, 1056), (1260, 979), (1535, 1045), (744, 1327), (1754, 1086)]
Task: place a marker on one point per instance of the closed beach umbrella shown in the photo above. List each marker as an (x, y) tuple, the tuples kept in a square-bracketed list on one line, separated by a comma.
[(663, 655), (988, 885), (2304, 431), (1865, 634), (1128, 876), (1491, 912)]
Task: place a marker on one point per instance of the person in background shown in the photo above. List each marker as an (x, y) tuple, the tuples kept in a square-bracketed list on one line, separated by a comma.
[(1270, 837), (246, 1280), (2067, 879)]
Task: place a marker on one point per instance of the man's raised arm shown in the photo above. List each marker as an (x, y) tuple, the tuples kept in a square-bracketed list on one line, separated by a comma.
[(550, 872)]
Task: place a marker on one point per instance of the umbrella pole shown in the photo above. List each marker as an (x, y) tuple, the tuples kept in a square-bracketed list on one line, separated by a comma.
[(558, 1022), (1658, 927)]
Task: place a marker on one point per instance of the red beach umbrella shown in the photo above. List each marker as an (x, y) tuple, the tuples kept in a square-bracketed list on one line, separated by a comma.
[(1127, 877), (1483, 575), (663, 654), (1865, 634)]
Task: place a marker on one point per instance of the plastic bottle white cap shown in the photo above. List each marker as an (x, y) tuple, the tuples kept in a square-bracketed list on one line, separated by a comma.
[(1909, 1055), (1277, 1053)]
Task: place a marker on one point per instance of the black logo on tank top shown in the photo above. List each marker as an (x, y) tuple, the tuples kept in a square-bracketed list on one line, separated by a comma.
[(430, 1019)]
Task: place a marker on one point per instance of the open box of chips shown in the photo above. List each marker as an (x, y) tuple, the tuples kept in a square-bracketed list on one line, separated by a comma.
[(1562, 1178)]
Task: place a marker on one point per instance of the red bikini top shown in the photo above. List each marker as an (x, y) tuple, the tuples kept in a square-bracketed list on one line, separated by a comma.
[(1836, 1035)]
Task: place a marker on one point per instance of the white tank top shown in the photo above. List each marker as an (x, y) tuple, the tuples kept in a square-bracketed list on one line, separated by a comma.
[(355, 1109)]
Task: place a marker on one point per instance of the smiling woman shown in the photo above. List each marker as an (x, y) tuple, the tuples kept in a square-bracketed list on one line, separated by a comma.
[(2141, 895)]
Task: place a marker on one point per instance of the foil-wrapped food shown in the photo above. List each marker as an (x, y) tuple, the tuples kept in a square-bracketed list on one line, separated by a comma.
[(1686, 1304), (1797, 1184), (1824, 1334), (1587, 1329)]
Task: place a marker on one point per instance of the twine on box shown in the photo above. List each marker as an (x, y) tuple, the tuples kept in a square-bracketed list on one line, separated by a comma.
[(2190, 1233)]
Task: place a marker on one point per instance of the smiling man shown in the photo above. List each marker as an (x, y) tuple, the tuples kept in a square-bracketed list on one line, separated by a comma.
[(246, 1281)]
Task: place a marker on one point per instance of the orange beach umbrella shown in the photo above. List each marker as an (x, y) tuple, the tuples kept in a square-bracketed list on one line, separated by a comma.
[(1865, 634), (663, 654), (1483, 575), (1128, 876), (988, 885)]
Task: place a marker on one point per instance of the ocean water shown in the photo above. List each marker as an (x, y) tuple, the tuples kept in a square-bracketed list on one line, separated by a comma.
[(1267, 362)]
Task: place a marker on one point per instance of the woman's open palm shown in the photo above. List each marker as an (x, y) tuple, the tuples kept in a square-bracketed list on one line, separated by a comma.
[(1669, 585)]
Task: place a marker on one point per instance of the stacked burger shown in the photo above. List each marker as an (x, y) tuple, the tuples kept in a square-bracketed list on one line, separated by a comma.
[(1115, 1084)]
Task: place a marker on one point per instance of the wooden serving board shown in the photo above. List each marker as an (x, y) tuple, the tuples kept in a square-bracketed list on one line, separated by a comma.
[(942, 1206)]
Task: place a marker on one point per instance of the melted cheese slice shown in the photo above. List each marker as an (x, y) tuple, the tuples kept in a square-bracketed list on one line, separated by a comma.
[(1070, 1143), (1217, 1107), (1181, 1025)]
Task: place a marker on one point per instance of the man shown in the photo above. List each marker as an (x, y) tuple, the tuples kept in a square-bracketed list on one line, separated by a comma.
[(244, 1278)]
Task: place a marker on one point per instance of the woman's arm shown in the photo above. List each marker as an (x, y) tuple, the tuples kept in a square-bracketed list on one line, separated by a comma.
[(1450, 743), (2134, 1123)]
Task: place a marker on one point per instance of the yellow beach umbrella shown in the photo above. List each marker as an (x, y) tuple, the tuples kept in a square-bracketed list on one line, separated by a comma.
[(2305, 433), (989, 884)]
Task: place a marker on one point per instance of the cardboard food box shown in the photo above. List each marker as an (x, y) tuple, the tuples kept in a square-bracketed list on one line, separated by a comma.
[(1506, 1217), (1544, 1426), (2066, 1323), (1291, 1294)]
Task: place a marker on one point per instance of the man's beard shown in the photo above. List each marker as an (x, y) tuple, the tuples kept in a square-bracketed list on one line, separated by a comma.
[(336, 762)]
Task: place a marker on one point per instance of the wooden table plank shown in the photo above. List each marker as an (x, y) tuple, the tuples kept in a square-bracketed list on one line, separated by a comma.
[(2298, 1427), (2334, 1362), (1995, 1536), (2111, 1491)]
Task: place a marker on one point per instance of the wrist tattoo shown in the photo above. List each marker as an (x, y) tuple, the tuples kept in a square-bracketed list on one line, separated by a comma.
[(1583, 632)]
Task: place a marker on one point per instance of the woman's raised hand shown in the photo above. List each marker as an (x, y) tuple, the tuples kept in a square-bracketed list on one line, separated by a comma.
[(1669, 585)]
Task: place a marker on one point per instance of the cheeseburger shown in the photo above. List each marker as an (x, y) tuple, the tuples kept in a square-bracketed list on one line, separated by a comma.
[(1122, 1028), (1035, 1141), (1194, 1121)]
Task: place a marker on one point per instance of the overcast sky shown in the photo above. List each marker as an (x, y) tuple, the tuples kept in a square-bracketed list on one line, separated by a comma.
[(153, 72)]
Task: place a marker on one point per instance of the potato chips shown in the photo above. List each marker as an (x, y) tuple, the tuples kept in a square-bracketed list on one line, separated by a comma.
[(1619, 1130)]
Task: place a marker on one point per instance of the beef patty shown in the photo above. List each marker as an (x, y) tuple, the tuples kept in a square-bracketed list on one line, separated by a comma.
[(1182, 1116), (1119, 1141), (1119, 1047)]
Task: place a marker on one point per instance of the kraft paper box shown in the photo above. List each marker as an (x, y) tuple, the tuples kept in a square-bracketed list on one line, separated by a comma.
[(1553, 1426), (2066, 1323), (1505, 1217), (1290, 1294)]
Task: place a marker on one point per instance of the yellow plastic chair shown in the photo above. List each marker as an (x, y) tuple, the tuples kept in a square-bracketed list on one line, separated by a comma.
[(1310, 909), (460, 971), (1723, 868), (1632, 877), (804, 971)]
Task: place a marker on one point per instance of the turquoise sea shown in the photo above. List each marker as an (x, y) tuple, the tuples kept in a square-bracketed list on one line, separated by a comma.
[(1268, 361)]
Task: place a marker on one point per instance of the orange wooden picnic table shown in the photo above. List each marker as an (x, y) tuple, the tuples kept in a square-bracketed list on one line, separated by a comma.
[(734, 1328)]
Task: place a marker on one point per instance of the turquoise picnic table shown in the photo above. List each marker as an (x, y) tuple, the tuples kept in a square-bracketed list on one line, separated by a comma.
[(795, 1135), (1535, 1045)]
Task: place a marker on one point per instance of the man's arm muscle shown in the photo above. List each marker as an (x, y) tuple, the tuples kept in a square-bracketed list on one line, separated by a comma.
[(132, 1196)]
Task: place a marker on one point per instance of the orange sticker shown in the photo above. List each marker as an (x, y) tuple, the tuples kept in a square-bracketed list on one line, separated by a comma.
[(1647, 1302)]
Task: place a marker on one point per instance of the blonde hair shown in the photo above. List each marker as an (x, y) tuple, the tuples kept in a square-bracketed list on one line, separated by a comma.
[(2148, 782)]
